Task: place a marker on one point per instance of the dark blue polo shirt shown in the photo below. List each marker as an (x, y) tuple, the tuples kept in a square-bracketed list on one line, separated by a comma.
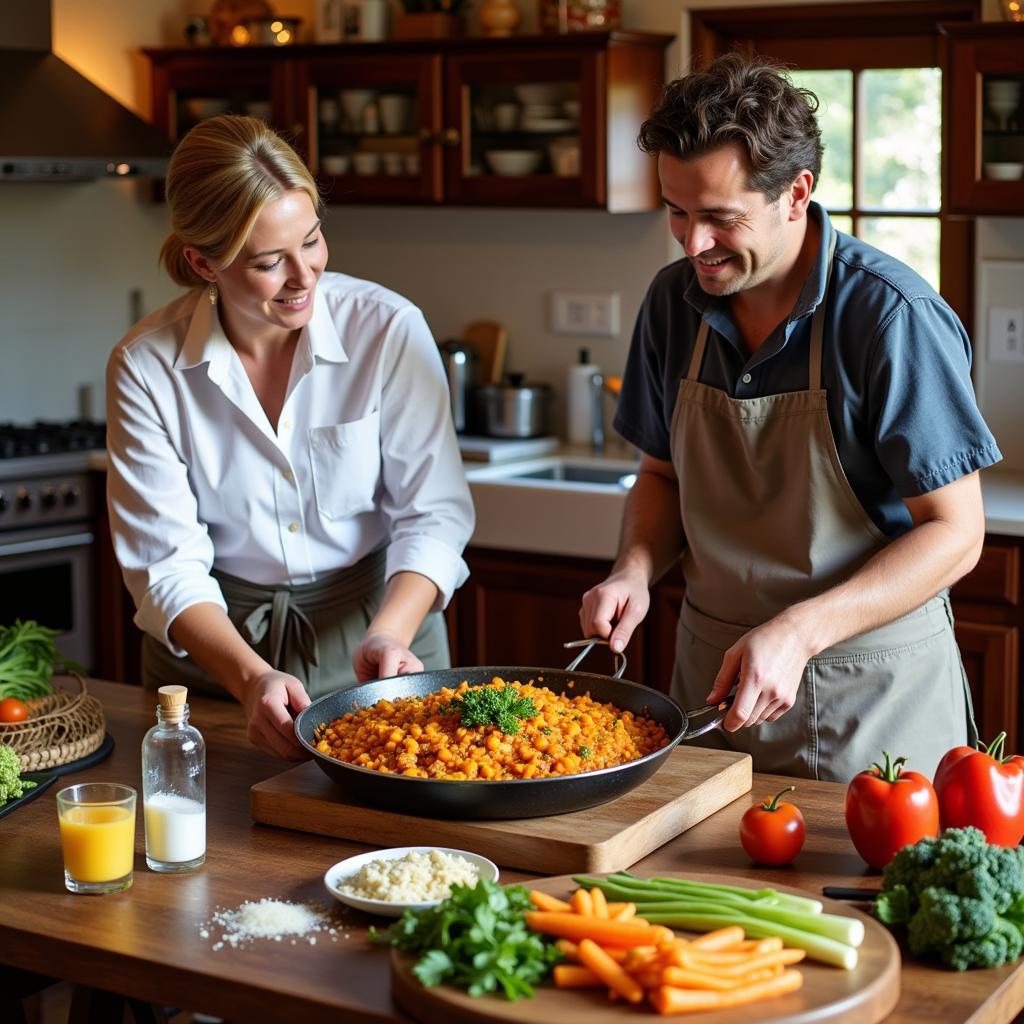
[(895, 364)]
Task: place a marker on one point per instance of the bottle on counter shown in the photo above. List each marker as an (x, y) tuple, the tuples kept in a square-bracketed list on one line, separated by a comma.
[(580, 400), (174, 786)]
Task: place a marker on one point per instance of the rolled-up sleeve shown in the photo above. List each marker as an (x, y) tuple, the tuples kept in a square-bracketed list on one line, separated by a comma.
[(165, 552), (425, 495)]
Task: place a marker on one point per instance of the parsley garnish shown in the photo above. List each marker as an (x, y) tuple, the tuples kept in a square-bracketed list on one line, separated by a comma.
[(489, 705), (584, 753), (476, 939)]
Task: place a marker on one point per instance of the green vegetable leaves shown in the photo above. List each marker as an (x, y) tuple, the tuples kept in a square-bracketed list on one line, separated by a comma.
[(477, 939), (11, 783), (27, 657), (491, 705)]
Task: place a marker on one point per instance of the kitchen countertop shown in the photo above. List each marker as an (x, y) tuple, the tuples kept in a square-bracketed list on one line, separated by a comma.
[(146, 942)]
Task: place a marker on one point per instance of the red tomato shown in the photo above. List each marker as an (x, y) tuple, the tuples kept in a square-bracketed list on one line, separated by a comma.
[(888, 808), (773, 833), (12, 710), (983, 789)]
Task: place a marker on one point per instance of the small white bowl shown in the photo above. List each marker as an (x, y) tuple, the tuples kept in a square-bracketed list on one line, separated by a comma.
[(1004, 171), (366, 163), (334, 164), (513, 162), (345, 869)]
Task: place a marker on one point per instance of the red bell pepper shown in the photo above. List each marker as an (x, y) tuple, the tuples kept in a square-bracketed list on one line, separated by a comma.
[(984, 789), (888, 808)]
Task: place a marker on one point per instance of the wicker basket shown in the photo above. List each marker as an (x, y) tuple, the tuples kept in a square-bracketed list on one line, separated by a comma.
[(62, 726)]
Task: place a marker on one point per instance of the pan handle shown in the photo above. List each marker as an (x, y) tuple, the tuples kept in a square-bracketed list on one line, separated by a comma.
[(588, 645), (722, 707)]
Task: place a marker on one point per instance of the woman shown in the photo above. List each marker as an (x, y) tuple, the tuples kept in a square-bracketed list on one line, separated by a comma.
[(285, 490)]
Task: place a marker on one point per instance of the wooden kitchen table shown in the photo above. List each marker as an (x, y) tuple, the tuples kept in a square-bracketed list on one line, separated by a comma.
[(146, 944)]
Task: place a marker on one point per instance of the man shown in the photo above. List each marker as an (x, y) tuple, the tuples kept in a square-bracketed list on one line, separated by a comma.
[(811, 447)]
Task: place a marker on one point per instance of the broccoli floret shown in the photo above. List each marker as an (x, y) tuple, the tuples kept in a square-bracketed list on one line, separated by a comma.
[(11, 783), (961, 898)]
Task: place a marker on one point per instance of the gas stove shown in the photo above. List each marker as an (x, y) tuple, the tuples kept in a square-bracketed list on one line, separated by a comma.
[(44, 438)]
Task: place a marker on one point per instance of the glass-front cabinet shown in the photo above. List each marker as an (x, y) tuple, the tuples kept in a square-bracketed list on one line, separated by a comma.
[(527, 121), (986, 92)]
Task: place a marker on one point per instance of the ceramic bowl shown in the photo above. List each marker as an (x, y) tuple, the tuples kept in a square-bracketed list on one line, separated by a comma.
[(354, 102), (540, 93), (366, 163), (1003, 171), (335, 164), (346, 869), (513, 162)]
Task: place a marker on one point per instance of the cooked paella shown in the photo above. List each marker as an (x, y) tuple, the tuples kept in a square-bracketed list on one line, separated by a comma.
[(502, 730)]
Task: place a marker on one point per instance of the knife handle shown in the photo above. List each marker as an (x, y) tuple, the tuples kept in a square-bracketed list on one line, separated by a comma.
[(840, 892)]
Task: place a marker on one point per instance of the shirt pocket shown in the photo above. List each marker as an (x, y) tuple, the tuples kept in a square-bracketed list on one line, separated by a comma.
[(345, 460)]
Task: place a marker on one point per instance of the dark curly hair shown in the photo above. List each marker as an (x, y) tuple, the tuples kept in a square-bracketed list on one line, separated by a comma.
[(741, 99)]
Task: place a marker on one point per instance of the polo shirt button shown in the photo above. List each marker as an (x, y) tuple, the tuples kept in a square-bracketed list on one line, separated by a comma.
[(293, 527), (746, 378), (288, 475), (287, 424)]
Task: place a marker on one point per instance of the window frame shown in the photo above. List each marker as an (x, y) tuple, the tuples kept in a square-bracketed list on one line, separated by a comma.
[(834, 36)]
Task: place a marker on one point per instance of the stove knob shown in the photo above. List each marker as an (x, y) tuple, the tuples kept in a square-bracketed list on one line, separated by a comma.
[(70, 495), (23, 498), (47, 497)]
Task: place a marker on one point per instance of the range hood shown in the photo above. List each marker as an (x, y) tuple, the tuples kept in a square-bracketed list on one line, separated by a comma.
[(55, 125)]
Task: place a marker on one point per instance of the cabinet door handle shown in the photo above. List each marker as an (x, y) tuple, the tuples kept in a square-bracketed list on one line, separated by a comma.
[(451, 137), (427, 135), (298, 128)]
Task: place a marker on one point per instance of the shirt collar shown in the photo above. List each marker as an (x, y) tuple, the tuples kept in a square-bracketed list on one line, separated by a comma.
[(206, 342)]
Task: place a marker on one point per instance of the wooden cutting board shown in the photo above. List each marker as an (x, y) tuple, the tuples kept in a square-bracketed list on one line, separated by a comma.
[(489, 339), (865, 995), (693, 783)]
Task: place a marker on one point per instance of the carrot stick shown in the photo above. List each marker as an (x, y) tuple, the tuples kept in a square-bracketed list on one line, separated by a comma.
[(766, 945), (622, 934), (611, 973), (669, 1000), (575, 976), (782, 956), (544, 901), (720, 938), (621, 911), (582, 903), (682, 977), (598, 903), (569, 949)]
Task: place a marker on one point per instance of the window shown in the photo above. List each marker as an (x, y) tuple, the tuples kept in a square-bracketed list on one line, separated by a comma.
[(877, 69)]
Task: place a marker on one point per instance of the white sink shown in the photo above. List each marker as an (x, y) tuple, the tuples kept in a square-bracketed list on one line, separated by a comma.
[(556, 505)]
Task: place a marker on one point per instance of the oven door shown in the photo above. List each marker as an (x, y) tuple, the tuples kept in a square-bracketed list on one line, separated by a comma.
[(47, 575)]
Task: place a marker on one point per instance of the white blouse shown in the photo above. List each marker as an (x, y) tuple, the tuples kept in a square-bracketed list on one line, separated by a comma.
[(364, 455)]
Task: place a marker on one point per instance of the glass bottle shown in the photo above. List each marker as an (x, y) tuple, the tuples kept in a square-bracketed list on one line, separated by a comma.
[(174, 786)]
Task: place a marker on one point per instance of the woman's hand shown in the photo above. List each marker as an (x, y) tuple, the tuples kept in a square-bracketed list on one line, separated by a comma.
[(271, 703), (381, 655)]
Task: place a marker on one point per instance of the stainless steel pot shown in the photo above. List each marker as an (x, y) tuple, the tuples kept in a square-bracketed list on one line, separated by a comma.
[(460, 363), (515, 409)]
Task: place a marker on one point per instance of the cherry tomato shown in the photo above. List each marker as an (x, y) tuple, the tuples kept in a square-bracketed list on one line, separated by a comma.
[(773, 833), (888, 808), (12, 710)]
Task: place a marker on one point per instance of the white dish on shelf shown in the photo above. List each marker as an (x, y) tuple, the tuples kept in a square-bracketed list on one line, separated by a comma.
[(339, 873), (1003, 171), (534, 93), (548, 124), (513, 163)]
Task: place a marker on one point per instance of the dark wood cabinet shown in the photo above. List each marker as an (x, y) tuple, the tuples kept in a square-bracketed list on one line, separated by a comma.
[(984, 145), (421, 121)]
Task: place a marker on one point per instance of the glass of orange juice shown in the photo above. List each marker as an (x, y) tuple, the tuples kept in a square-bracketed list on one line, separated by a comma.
[(97, 835)]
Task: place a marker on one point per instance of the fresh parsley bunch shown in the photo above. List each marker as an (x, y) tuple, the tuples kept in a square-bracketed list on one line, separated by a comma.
[(491, 705), (477, 939)]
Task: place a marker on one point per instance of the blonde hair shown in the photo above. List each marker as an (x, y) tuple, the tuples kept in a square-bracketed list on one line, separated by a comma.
[(222, 174)]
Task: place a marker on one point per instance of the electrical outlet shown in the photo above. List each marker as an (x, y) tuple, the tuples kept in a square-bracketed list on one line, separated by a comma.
[(1006, 335), (585, 313)]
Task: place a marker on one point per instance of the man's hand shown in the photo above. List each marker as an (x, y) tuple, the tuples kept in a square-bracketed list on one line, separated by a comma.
[(614, 608), (381, 655), (768, 663), (271, 704)]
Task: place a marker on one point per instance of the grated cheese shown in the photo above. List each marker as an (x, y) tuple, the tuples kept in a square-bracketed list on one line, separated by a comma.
[(268, 919), (413, 878)]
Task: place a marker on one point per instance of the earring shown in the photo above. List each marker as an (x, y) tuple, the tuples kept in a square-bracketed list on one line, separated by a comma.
[(211, 294)]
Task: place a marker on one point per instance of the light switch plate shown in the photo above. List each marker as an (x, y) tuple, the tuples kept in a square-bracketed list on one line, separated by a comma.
[(1006, 335), (591, 313)]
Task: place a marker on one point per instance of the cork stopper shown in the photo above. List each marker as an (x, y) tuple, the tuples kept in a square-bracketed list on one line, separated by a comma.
[(172, 702)]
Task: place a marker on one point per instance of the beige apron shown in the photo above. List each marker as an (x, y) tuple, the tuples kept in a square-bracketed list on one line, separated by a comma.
[(771, 519), (309, 630)]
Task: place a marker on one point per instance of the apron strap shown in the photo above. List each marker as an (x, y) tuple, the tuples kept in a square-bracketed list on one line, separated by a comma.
[(698, 351), (281, 615), (818, 325)]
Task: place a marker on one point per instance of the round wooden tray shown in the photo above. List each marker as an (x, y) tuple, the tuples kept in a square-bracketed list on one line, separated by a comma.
[(865, 995)]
